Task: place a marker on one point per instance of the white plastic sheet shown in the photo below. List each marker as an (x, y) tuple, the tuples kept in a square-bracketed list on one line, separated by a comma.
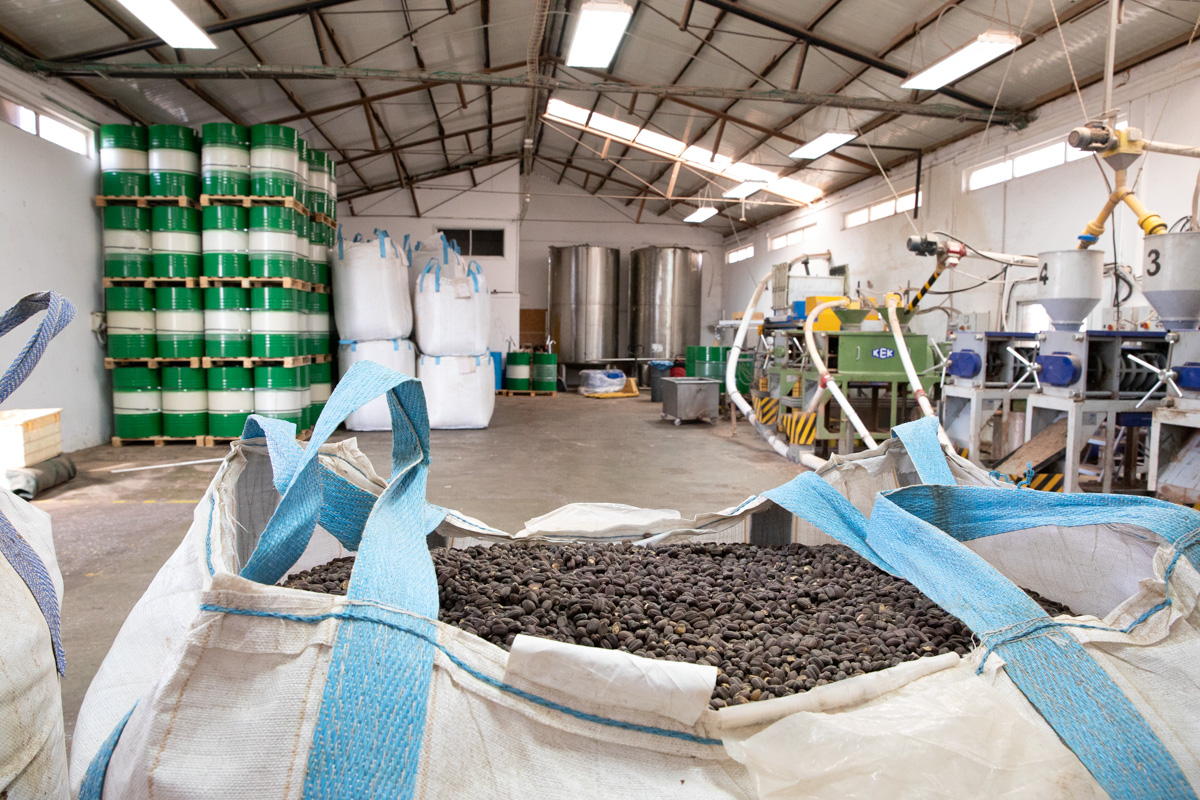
[(395, 354)]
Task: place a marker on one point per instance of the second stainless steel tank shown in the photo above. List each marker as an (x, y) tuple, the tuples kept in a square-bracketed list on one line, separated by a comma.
[(664, 301), (585, 294)]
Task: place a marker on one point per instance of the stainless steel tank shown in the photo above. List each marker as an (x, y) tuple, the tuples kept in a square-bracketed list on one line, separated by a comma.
[(664, 301), (585, 283)]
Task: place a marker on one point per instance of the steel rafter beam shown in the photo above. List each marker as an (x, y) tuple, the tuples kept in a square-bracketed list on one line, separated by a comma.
[(230, 24), (416, 51), (404, 145), (413, 180)]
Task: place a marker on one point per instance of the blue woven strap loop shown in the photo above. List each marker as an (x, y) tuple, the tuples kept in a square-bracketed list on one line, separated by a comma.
[(59, 310), (925, 451), (1053, 670), (299, 478)]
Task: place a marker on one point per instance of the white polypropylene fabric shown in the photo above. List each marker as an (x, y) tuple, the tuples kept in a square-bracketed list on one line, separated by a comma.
[(370, 291), (33, 755), (395, 354), (460, 391), (452, 308)]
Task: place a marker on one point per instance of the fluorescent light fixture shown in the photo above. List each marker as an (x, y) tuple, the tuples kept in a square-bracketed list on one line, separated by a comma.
[(663, 144), (742, 171), (985, 49), (794, 190), (172, 25), (825, 143), (614, 127), (744, 189), (700, 214), (565, 111), (601, 25), (705, 158)]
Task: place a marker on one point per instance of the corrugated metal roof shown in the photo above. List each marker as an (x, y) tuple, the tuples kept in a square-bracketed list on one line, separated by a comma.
[(864, 49)]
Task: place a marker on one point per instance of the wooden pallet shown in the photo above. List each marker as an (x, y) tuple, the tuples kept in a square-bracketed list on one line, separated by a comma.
[(325, 219), (213, 441), (150, 283), (160, 441), (256, 361), (247, 283), (103, 200), (321, 358), (523, 393), (249, 201), (319, 288), (153, 363)]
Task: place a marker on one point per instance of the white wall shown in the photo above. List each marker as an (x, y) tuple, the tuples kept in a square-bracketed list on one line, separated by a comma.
[(1043, 211), (50, 239)]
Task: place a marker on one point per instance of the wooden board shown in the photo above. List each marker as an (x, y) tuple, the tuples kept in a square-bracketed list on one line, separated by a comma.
[(1047, 445), (254, 361), (103, 200), (160, 441), (248, 283), (533, 327), (150, 283), (153, 363), (249, 201)]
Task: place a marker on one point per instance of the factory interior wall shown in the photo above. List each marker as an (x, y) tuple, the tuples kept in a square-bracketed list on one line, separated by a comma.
[(1043, 211), (50, 240)]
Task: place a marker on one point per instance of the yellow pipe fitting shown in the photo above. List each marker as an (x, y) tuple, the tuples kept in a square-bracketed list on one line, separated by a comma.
[(1150, 222)]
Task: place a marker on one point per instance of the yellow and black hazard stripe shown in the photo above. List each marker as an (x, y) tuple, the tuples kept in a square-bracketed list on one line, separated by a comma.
[(1043, 482), (801, 428), (963, 451), (766, 409), (795, 388)]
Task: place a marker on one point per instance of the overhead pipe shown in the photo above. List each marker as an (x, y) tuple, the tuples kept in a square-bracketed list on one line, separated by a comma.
[(893, 302), (778, 445), (826, 381)]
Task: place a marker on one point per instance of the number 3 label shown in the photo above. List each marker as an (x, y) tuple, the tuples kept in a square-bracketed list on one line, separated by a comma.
[(1154, 266)]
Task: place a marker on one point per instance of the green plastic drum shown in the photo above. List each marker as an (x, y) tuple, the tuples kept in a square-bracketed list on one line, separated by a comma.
[(179, 320), (318, 178), (137, 402), (184, 402), (174, 158), (274, 323), (544, 372), (230, 400), (517, 372), (124, 161), (331, 188), (318, 324), (305, 398), (272, 242), (175, 237), (226, 322), (277, 393), (127, 246), (225, 159), (301, 194), (302, 230), (274, 161), (320, 378), (129, 319), (225, 240)]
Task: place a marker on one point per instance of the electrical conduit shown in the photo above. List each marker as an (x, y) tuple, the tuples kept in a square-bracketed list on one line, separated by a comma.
[(778, 445), (893, 300), (826, 381)]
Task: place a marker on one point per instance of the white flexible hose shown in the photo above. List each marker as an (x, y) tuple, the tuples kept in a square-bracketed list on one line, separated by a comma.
[(778, 445), (826, 382), (911, 371)]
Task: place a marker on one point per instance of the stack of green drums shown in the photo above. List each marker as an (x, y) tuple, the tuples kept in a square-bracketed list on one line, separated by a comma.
[(124, 161), (174, 159), (179, 321), (225, 240), (230, 400), (130, 321), (318, 182), (225, 159), (274, 322), (274, 161), (544, 372), (277, 393), (517, 371), (272, 242), (137, 402), (226, 322), (127, 245), (709, 362), (175, 237), (184, 402), (320, 378), (303, 228)]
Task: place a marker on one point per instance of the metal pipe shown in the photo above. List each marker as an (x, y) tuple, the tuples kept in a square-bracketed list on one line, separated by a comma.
[(917, 196), (827, 381), (1110, 59), (778, 445)]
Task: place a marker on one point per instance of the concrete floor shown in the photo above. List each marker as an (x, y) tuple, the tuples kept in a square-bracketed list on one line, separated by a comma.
[(113, 531)]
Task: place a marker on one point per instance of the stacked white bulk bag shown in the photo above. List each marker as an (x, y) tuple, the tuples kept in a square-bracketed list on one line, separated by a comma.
[(460, 391), (395, 354), (453, 320), (370, 289)]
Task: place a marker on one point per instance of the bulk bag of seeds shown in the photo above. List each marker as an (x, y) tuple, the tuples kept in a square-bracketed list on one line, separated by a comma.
[(460, 391), (451, 305), (348, 682), (33, 756), (395, 354), (370, 288)]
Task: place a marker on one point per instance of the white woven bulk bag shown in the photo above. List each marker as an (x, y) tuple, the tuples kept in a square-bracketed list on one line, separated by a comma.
[(33, 756), (370, 288), (398, 355), (460, 391), (453, 312)]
